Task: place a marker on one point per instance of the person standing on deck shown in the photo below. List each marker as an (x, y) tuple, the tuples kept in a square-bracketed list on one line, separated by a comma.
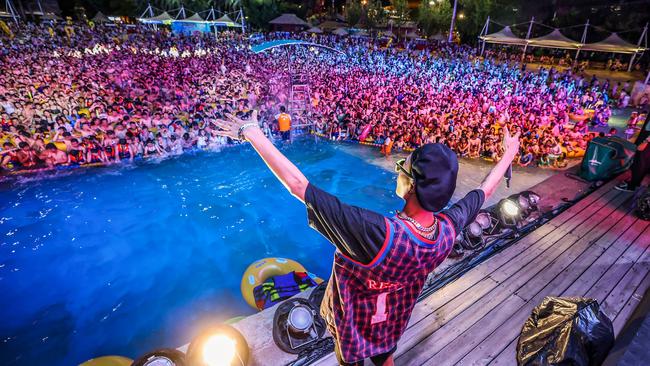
[(284, 124), (380, 262)]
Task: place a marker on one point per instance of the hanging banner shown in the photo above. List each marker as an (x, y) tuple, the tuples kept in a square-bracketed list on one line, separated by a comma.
[(188, 28)]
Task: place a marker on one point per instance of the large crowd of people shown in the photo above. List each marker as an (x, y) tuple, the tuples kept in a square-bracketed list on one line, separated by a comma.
[(76, 94)]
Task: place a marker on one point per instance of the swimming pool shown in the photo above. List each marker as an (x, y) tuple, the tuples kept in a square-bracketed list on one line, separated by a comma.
[(125, 259)]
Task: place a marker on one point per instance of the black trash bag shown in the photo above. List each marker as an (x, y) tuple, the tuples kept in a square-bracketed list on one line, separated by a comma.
[(643, 205), (567, 331)]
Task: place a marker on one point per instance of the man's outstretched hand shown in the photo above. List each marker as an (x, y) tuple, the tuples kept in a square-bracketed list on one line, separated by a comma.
[(231, 126), (510, 143)]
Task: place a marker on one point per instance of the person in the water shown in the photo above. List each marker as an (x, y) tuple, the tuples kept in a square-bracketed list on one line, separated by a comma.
[(381, 262)]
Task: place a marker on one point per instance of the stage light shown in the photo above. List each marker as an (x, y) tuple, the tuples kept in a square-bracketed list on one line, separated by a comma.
[(219, 350), (508, 212), (475, 230), (161, 357), (509, 208), (488, 222), (297, 324), (472, 237), (516, 208), (300, 318), (222, 345)]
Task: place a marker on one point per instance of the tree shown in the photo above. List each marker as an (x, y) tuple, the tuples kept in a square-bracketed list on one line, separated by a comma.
[(353, 12), (401, 8), (434, 16), (260, 12), (375, 14)]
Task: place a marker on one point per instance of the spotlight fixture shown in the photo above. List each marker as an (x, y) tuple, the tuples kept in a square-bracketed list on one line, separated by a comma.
[(508, 212), (472, 237), (221, 345), (161, 357), (488, 222), (296, 324), (516, 208)]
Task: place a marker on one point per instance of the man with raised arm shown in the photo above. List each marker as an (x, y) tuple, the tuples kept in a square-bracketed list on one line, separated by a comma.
[(381, 262)]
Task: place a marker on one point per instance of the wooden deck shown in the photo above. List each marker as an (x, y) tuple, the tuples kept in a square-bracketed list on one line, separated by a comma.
[(596, 249)]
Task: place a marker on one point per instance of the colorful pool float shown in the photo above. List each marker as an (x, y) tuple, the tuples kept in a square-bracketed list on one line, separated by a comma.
[(263, 269)]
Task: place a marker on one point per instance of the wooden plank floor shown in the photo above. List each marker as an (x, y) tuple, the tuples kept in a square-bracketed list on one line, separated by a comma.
[(597, 249)]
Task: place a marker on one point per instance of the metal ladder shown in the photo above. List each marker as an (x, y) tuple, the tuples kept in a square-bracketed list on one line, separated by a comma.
[(300, 94)]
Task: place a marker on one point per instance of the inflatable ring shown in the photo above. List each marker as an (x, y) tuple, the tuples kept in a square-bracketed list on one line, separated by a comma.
[(234, 320), (263, 269), (61, 146), (108, 361)]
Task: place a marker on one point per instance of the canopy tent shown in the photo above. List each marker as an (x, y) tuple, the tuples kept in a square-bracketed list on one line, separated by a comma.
[(340, 32), (555, 39), (52, 16), (159, 19), (438, 37), (329, 25), (226, 21), (196, 18), (314, 30), (100, 18), (412, 35), (289, 22), (504, 36), (614, 44), (389, 34)]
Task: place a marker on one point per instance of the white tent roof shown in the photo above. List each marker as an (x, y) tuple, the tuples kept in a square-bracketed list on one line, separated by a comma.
[(225, 19), (194, 18), (340, 32), (388, 33), (314, 30), (52, 16), (289, 19), (438, 37), (412, 35), (330, 24), (613, 43), (554, 39), (158, 18), (504, 36), (100, 18)]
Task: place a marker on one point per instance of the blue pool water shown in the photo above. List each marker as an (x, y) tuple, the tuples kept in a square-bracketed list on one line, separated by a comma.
[(125, 259)]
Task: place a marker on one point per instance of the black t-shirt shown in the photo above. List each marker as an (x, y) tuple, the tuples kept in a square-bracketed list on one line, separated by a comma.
[(359, 233)]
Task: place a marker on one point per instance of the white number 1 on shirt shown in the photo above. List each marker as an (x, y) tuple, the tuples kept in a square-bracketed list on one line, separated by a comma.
[(380, 314)]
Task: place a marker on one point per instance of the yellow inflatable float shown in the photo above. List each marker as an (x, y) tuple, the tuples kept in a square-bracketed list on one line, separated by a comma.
[(108, 361), (263, 269)]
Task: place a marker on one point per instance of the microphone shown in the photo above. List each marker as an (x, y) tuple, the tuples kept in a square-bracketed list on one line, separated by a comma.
[(508, 175)]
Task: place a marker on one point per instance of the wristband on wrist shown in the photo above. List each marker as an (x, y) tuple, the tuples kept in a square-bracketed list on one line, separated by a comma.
[(243, 127)]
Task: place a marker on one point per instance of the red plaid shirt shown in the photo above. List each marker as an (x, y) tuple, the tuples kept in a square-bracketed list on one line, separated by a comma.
[(367, 307)]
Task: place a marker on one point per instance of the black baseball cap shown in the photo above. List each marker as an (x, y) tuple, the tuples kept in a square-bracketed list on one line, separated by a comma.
[(434, 168)]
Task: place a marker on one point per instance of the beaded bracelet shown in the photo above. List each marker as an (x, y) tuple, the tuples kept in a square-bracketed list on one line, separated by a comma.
[(240, 134)]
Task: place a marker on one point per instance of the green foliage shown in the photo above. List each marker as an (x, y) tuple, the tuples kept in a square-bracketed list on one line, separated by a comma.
[(353, 12), (120, 7), (260, 12), (434, 16), (475, 12), (375, 14), (401, 8)]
